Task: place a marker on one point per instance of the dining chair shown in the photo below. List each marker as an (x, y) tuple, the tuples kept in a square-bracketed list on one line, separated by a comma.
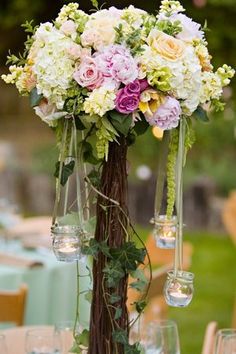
[(209, 338), (159, 256), (156, 308), (12, 305)]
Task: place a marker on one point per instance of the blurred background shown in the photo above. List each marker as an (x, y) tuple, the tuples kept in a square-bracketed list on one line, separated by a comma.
[(28, 155)]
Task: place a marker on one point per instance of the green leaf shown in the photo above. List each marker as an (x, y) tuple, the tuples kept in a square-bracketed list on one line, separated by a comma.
[(129, 255), (131, 138), (67, 171), (201, 114), (139, 274), (78, 123), (75, 349), (141, 126), (132, 349), (104, 248), (118, 313), (121, 122), (89, 296), (138, 285), (69, 219), (89, 225), (120, 336), (92, 249), (94, 177), (35, 98), (94, 3), (87, 153), (114, 273), (114, 298), (83, 338), (140, 305)]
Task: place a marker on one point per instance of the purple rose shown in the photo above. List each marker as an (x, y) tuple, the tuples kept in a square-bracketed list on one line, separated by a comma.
[(143, 84), (126, 102), (167, 115), (133, 88)]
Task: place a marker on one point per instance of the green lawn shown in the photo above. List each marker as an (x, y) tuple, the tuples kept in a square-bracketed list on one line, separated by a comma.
[(214, 266)]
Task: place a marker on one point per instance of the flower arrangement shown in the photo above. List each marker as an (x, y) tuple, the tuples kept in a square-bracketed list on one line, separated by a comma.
[(109, 76)]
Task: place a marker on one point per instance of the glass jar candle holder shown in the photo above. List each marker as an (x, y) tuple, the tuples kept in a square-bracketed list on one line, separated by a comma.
[(178, 290), (66, 242), (165, 231)]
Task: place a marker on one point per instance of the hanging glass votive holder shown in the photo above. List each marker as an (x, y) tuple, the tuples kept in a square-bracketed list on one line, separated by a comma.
[(67, 241), (178, 290), (165, 231)]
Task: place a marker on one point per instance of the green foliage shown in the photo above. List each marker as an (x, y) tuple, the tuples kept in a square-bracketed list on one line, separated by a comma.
[(91, 249), (129, 256), (201, 114), (35, 98), (132, 349), (94, 3), (141, 126), (168, 27), (170, 171), (120, 336), (133, 38), (121, 122), (94, 177), (114, 298), (67, 170), (114, 272), (140, 306), (87, 153), (81, 342)]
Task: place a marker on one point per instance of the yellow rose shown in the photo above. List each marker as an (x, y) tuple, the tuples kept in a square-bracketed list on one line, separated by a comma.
[(167, 46), (150, 101)]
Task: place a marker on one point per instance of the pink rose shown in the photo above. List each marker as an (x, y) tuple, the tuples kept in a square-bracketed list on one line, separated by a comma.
[(88, 74), (167, 115), (68, 27), (127, 99)]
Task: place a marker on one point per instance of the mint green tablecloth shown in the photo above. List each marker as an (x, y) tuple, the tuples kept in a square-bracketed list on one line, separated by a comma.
[(52, 288)]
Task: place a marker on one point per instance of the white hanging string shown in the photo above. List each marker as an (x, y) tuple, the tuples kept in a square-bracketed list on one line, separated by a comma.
[(58, 180), (178, 264), (161, 173), (78, 190)]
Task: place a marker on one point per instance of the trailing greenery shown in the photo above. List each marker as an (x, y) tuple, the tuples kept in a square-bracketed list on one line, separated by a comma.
[(170, 171)]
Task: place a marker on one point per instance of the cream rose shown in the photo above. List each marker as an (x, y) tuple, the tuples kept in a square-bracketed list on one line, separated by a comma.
[(167, 46)]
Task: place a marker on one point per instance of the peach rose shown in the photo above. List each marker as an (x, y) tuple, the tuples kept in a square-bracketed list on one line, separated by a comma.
[(167, 46)]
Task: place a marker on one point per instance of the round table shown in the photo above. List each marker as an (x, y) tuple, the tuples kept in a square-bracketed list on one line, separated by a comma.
[(52, 287)]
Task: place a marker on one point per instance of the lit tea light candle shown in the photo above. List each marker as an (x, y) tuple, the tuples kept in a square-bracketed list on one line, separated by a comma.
[(67, 242), (165, 231), (166, 238), (178, 298), (67, 249)]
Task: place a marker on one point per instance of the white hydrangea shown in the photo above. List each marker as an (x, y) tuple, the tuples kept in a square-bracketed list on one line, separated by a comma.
[(211, 87), (100, 101), (53, 66)]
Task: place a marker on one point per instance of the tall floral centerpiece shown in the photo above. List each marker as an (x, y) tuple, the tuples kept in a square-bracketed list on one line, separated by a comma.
[(99, 81)]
